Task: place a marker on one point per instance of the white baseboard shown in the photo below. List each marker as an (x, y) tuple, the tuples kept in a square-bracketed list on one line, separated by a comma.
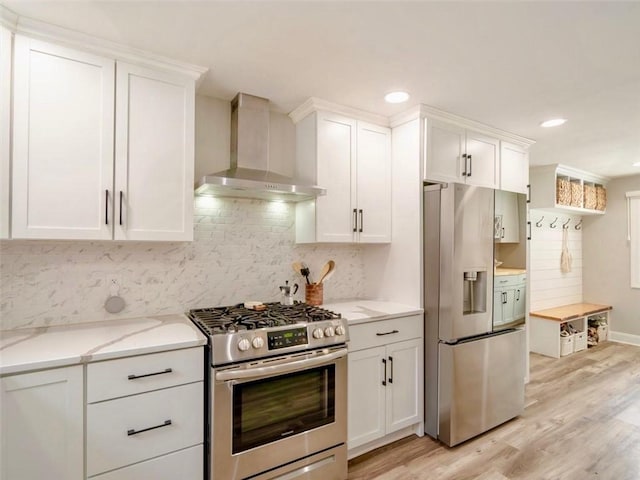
[(624, 338)]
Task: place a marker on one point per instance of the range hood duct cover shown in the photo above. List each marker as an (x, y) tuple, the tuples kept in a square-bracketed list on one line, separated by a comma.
[(249, 175)]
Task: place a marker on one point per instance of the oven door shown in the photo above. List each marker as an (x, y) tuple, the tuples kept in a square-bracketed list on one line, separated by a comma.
[(273, 412)]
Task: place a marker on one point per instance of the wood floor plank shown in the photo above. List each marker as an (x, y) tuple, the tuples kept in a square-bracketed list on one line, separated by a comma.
[(581, 422)]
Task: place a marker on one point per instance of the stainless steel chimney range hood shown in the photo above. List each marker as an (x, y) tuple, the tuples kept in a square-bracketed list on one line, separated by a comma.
[(249, 175)]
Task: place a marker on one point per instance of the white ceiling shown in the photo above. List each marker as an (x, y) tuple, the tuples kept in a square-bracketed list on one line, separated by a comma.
[(506, 64)]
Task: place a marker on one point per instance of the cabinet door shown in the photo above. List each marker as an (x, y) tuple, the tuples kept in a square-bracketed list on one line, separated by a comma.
[(498, 301), (507, 211), (336, 211), (483, 155), (42, 425), (519, 302), (62, 143), (404, 406), (154, 155), (366, 394), (508, 304), (445, 147), (6, 48), (373, 186), (514, 168)]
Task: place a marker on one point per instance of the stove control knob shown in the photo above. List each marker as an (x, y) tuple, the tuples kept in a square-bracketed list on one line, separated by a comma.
[(340, 330), (244, 345), (257, 342), (318, 333), (328, 332)]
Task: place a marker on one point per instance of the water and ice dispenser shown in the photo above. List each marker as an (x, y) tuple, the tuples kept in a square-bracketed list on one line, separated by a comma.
[(474, 296)]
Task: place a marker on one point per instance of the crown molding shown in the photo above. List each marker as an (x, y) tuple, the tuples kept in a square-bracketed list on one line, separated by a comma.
[(70, 38), (314, 104), (437, 114), (8, 19)]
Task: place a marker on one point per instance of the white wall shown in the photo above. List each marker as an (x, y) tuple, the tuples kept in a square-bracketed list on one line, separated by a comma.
[(606, 261), (549, 286)]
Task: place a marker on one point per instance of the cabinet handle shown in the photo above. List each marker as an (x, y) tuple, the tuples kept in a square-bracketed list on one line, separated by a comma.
[(388, 333), (121, 194), (106, 207), (384, 378), (391, 368), (502, 234), (470, 165), (134, 377), (529, 226), (361, 221), (517, 295), (355, 220), (504, 298), (529, 193), (464, 157), (135, 432)]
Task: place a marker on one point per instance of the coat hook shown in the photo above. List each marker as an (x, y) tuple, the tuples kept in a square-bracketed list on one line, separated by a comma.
[(579, 225), (539, 222), (564, 225), (553, 224)]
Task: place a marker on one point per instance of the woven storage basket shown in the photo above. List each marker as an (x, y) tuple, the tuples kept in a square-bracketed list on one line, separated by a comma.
[(601, 198), (576, 194), (590, 199), (563, 191)]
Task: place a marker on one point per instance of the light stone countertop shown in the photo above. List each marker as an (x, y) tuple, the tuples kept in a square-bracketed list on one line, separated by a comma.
[(363, 311), (501, 271), (26, 349)]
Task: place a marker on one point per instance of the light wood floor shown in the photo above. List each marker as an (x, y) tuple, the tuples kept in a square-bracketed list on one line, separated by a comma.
[(582, 421)]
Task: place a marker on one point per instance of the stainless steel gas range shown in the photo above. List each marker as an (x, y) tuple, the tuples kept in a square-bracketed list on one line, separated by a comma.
[(277, 404)]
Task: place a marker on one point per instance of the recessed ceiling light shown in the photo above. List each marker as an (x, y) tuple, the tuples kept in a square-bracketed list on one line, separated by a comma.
[(396, 97), (553, 123), (637, 164)]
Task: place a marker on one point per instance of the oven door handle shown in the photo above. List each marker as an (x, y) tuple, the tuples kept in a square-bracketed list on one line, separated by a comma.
[(281, 368)]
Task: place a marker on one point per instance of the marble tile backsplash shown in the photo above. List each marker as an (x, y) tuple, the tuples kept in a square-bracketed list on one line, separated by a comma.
[(242, 250)]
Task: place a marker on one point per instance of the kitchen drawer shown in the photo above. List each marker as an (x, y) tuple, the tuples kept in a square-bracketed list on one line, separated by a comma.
[(143, 373), (383, 332), (509, 280), (109, 424), (185, 465)]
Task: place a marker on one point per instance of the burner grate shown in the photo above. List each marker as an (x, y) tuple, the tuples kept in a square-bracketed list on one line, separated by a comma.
[(219, 320)]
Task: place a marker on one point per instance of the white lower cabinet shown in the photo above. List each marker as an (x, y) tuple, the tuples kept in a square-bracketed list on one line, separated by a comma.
[(153, 407), (42, 425), (186, 463), (385, 380), (131, 429), (509, 298)]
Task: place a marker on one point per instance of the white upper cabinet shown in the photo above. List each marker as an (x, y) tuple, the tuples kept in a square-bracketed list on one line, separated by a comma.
[(154, 155), (62, 142), (352, 160), (514, 168), (458, 155), (507, 217), (6, 51), (68, 182)]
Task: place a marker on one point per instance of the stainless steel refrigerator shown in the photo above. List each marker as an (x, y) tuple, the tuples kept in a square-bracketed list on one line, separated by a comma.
[(474, 371)]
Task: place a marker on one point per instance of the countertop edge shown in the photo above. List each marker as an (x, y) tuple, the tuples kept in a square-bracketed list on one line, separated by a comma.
[(385, 317), (98, 357)]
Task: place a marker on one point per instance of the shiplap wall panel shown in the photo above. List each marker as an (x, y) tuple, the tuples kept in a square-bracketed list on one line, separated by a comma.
[(549, 286)]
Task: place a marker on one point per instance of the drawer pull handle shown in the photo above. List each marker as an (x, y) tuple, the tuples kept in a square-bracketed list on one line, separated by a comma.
[(388, 333), (135, 432), (166, 370)]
